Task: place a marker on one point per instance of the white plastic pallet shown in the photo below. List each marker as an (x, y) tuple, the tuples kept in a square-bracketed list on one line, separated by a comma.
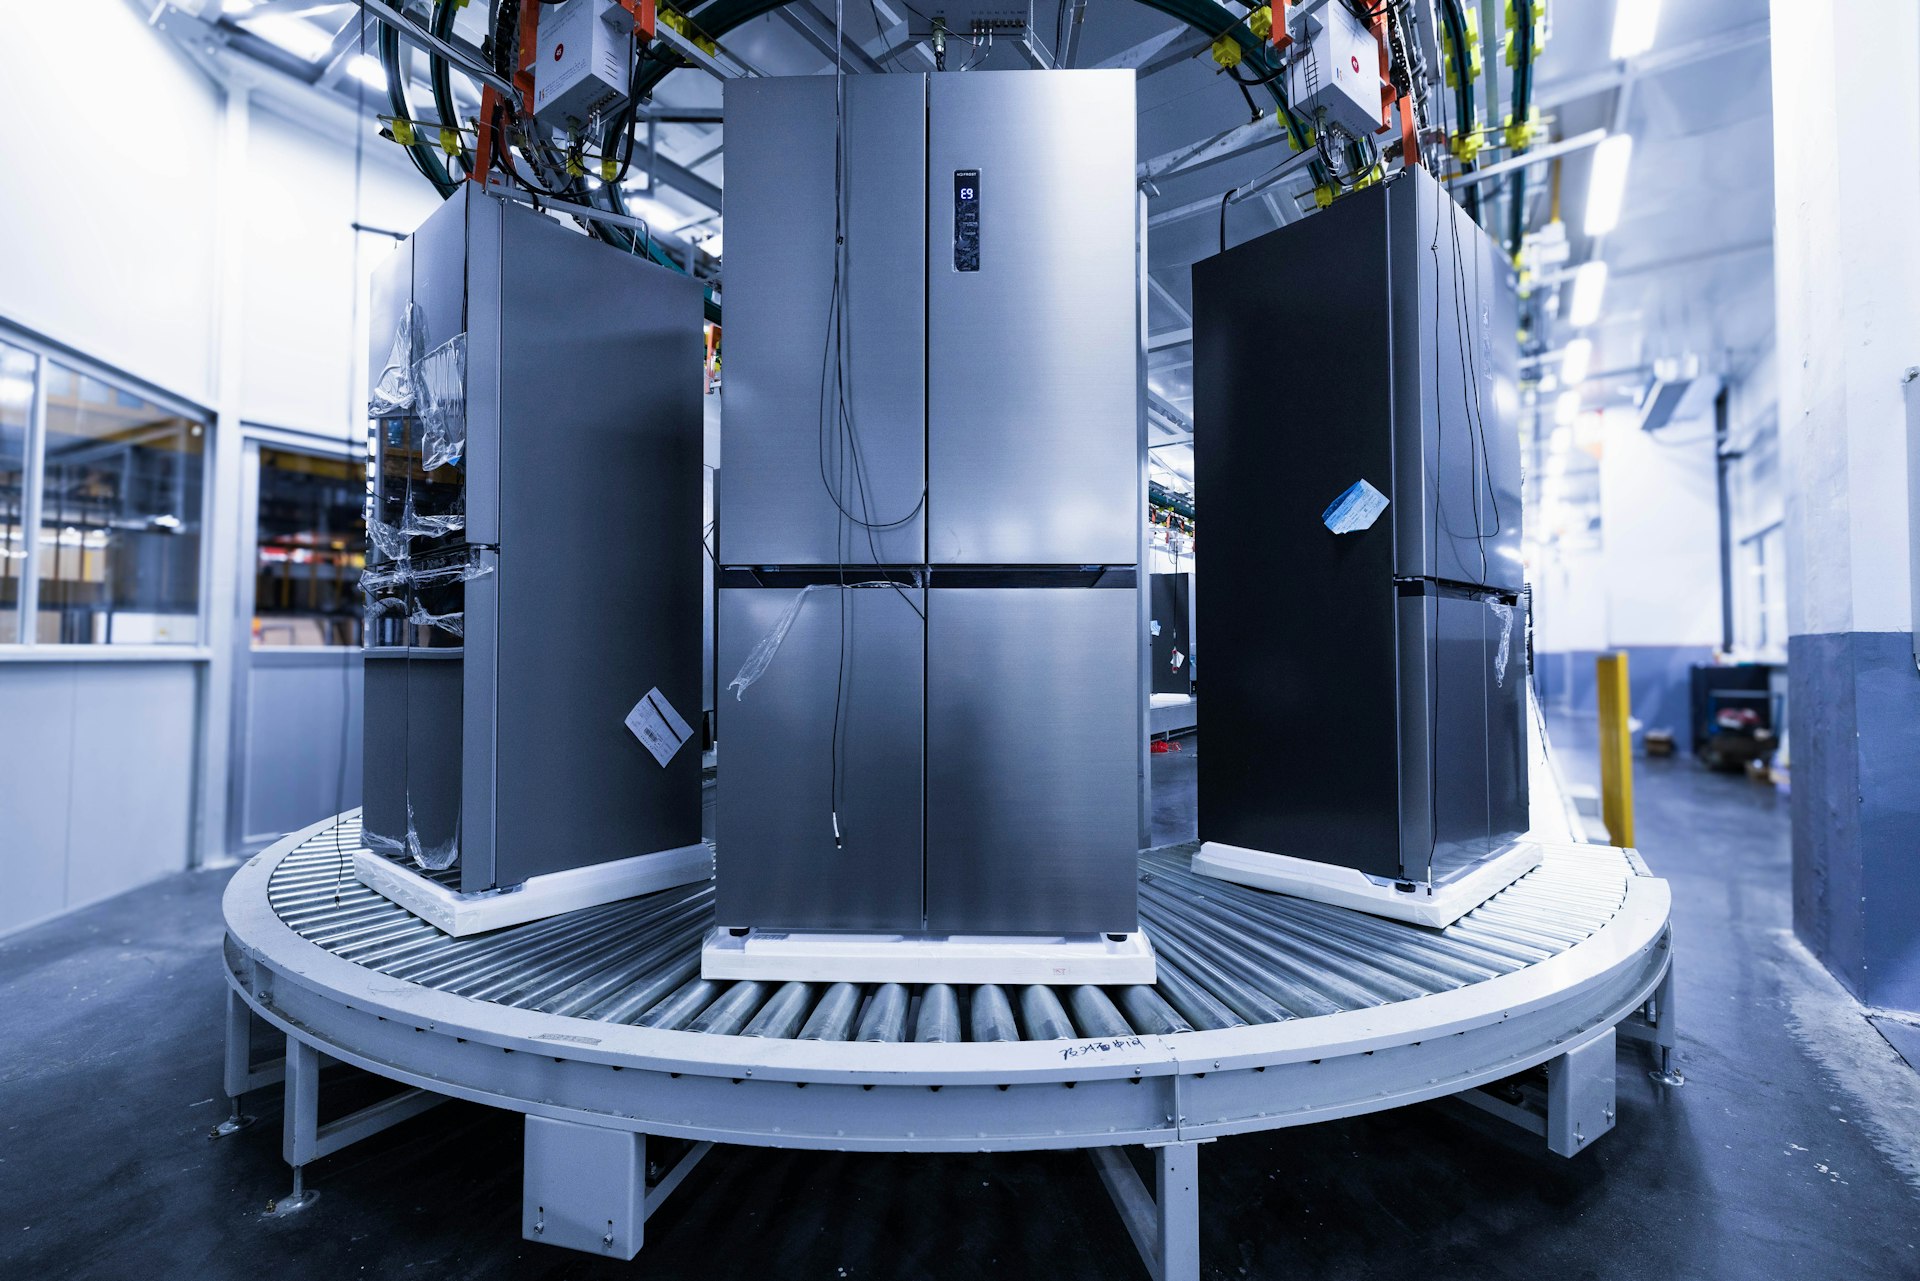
[(536, 898), (948, 958), (1431, 905)]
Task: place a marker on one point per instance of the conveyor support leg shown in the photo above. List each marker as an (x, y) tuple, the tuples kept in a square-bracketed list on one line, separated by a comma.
[(304, 1139), (242, 1075), (586, 1186), (1165, 1227)]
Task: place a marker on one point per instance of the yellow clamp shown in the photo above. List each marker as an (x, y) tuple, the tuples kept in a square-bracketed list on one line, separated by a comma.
[(575, 169), (1323, 195), (1465, 147), (403, 133), (679, 23), (1519, 134), (450, 141), (1226, 52), (609, 170), (1367, 179), (1260, 22), (1307, 136)]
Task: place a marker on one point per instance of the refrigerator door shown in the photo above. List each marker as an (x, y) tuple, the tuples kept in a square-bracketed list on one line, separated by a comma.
[(790, 464), (1033, 726), (1451, 299), (1508, 808), (1034, 407), (778, 865)]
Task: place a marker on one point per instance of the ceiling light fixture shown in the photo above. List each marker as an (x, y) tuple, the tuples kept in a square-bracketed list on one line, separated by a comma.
[(1589, 293), (1567, 408), (1634, 25), (1607, 186), (366, 68), (295, 35), (1576, 361)]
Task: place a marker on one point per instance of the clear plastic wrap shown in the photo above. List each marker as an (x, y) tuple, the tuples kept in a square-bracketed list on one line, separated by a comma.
[(1504, 613), (440, 387), (761, 655), (391, 542), (454, 623), (394, 389), (403, 573), (435, 858)]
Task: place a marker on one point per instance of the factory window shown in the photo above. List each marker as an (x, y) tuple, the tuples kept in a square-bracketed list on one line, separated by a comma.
[(310, 547), (101, 507), (16, 417)]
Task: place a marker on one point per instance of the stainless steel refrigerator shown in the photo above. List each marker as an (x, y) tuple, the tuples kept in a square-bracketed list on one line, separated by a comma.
[(534, 499), (955, 416), (1366, 689)]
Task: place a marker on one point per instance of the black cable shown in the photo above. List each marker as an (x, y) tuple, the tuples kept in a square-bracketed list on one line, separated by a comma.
[(441, 75), (1223, 217)]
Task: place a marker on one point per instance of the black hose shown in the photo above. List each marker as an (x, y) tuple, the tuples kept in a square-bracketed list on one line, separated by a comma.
[(425, 158), (1522, 95), (442, 77)]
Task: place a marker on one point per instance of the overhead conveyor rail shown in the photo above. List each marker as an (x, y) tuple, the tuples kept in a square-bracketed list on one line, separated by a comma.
[(1269, 1012)]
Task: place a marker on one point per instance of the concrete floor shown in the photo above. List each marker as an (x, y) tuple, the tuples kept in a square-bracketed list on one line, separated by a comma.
[(1789, 1152)]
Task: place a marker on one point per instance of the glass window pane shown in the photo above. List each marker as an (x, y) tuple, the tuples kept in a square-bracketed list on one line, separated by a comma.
[(16, 411), (312, 546), (120, 518)]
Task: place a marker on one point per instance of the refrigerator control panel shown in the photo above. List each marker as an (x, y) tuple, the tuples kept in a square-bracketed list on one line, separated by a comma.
[(966, 220)]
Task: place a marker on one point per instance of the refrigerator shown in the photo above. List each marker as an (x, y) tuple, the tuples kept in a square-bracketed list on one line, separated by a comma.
[(1366, 688), (949, 738), (534, 559)]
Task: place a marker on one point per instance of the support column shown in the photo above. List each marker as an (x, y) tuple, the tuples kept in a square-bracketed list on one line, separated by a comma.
[(1846, 109)]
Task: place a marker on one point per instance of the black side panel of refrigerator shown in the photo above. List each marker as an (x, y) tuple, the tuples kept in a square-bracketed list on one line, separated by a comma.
[(1300, 622), (597, 591), (779, 865)]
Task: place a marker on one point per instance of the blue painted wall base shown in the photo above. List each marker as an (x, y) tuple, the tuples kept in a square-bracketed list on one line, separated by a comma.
[(1659, 679), (1856, 810)]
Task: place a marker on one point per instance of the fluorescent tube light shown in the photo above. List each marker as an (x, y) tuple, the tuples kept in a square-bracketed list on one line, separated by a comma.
[(296, 35), (1576, 361), (1607, 185), (366, 68), (1589, 292), (1634, 25), (1567, 408)]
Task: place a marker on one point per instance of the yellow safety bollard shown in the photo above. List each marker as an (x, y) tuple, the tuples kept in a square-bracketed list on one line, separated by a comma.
[(1616, 748)]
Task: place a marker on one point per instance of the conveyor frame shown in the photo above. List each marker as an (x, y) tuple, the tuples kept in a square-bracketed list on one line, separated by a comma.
[(1166, 1091)]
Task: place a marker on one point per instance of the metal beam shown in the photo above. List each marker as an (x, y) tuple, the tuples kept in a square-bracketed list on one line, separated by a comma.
[(817, 30), (1071, 53), (414, 34), (1235, 142), (1537, 156), (1557, 93), (1169, 338), (1157, 53), (1173, 304)]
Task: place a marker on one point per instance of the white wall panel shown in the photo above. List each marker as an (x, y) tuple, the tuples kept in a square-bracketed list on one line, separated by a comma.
[(36, 762), (131, 793), (106, 215)]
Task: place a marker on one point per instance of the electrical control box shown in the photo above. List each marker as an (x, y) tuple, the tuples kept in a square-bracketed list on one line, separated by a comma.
[(584, 66), (1336, 68)]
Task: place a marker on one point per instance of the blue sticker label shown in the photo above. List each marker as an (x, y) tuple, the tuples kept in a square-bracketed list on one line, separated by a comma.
[(1354, 510)]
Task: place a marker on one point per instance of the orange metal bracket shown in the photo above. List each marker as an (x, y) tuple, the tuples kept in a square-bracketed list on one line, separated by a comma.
[(1279, 35)]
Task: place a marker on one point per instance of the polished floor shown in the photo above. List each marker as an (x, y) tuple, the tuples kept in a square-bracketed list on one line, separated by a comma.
[(1793, 1150)]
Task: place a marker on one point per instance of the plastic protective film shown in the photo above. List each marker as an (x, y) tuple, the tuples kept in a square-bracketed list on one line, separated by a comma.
[(761, 655), (394, 389), (440, 389)]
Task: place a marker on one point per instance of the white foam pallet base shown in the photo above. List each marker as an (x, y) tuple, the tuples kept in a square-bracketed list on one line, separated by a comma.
[(1349, 887), (782, 956), (538, 897)]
